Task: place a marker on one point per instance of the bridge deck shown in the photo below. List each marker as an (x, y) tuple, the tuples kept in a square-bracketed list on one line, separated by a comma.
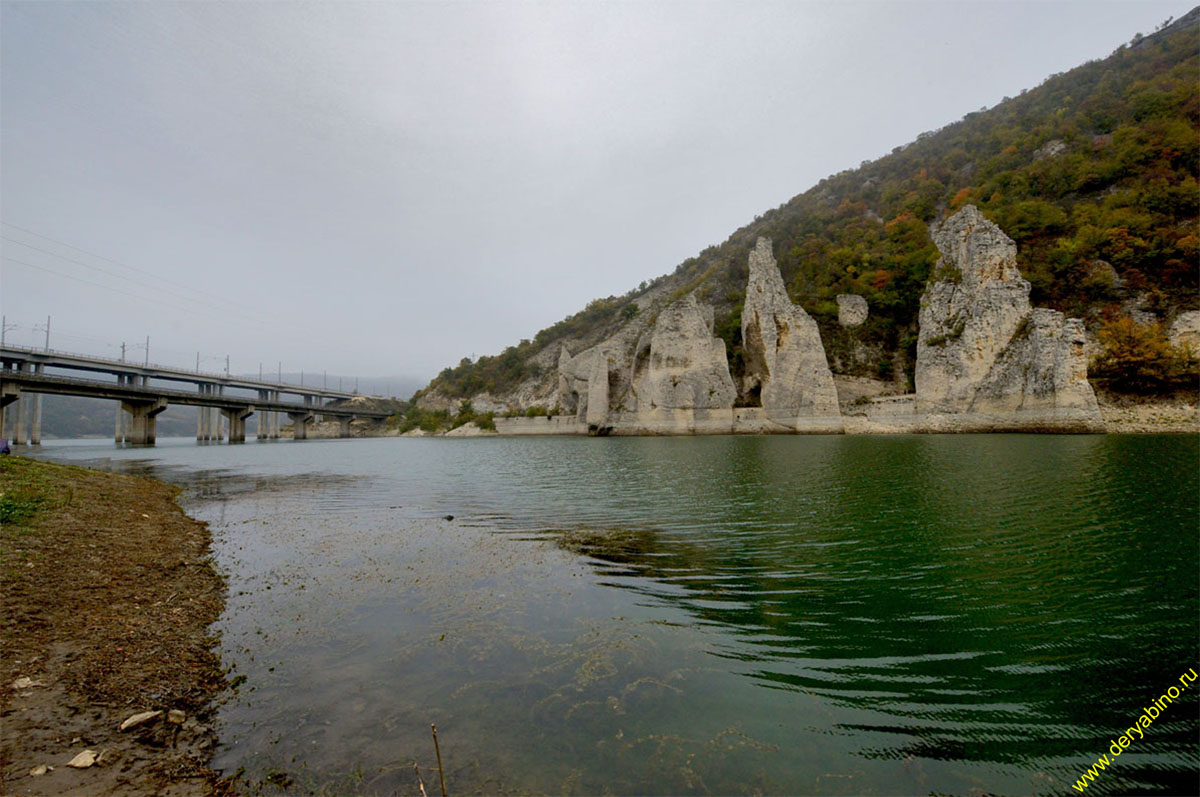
[(39, 383), (82, 362)]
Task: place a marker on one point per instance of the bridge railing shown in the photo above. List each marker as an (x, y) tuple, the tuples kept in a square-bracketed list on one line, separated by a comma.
[(31, 382), (289, 387)]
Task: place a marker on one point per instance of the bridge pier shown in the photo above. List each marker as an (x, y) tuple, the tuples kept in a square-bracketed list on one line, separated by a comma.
[(122, 428), (237, 423), (9, 394), (18, 422), (299, 424), (19, 418), (143, 420), (201, 416), (344, 426), (35, 420), (262, 429)]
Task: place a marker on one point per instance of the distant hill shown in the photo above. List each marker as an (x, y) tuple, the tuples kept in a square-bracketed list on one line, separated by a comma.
[(1093, 173), (77, 416)]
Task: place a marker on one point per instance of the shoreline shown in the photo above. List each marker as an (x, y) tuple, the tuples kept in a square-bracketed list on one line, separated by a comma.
[(109, 593)]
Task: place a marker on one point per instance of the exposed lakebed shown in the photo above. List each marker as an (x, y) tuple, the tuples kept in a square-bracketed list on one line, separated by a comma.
[(700, 615)]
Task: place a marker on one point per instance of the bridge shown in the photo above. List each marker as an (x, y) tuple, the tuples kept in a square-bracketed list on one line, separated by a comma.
[(23, 371)]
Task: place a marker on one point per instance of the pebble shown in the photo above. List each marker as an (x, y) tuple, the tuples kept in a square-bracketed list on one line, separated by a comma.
[(139, 719), (83, 760), (176, 717), (40, 769), (25, 682)]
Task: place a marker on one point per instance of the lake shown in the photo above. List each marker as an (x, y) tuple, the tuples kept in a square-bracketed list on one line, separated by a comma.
[(816, 614)]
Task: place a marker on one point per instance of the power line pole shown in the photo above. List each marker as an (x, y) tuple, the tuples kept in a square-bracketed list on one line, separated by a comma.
[(226, 365), (47, 333), (147, 363), (325, 380), (123, 356), (197, 362), (280, 379)]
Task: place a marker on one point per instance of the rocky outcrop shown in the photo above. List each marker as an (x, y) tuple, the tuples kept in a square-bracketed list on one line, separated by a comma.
[(786, 368), (687, 366), (1042, 368), (1185, 331), (982, 349), (583, 384), (852, 309)]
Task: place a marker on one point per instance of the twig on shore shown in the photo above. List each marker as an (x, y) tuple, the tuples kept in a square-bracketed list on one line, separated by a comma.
[(420, 783), (438, 751)]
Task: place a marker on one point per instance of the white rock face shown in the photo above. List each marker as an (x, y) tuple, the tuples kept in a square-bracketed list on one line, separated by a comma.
[(1043, 367), (687, 366), (852, 309), (982, 348), (969, 312), (1185, 331), (785, 359)]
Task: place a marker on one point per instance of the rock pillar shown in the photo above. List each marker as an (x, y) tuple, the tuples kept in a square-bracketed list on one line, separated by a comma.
[(597, 397), (786, 369)]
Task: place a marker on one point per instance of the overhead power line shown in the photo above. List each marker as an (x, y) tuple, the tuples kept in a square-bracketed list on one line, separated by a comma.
[(102, 286), (242, 309)]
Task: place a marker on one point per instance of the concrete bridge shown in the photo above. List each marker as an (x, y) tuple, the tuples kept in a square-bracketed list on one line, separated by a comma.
[(23, 381)]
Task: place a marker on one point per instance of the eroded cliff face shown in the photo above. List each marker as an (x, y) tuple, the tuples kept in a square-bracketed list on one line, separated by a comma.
[(982, 348), (685, 366), (786, 367)]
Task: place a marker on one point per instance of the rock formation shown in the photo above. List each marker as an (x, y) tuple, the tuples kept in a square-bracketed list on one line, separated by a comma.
[(687, 366), (982, 348), (583, 384), (786, 368), (852, 309), (1185, 332)]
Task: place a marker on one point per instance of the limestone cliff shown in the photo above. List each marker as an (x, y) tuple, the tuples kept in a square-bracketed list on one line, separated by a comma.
[(982, 348), (786, 368), (686, 367)]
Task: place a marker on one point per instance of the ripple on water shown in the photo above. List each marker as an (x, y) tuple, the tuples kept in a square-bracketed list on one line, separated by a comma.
[(855, 615)]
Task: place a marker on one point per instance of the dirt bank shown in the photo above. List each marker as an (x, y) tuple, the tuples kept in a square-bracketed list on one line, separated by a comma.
[(108, 595)]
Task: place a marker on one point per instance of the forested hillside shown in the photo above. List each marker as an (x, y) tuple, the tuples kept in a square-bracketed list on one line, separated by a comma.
[(1093, 174)]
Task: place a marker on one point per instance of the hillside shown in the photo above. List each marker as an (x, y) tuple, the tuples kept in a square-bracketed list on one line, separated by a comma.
[(1093, 174)]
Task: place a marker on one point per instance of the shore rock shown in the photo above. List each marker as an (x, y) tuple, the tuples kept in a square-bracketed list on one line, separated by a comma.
[(982, 348), (852, 309), (83, 760), (687, 366), (139, 719), (785, 359)]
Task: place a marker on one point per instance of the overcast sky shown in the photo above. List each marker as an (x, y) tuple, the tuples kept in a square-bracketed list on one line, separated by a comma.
[(385, 188)]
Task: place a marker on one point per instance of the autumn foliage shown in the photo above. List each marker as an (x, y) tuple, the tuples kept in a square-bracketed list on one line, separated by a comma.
[(1138, 358)]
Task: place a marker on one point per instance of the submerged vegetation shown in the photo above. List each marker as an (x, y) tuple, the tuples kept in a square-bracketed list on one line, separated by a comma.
[(1093, 174)]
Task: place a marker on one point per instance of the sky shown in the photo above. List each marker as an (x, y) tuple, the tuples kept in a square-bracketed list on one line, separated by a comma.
[(384, 188)]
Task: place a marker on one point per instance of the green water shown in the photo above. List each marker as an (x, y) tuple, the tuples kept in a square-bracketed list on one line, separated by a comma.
[(835, 615)]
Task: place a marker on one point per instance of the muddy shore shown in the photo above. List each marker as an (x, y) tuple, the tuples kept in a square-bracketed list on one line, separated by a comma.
[(108, 595)]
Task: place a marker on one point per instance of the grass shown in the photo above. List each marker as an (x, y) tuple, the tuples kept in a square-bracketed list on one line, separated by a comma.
[(27, 487)]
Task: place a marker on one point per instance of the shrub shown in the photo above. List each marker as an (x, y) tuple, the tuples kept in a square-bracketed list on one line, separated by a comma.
[(1138, 358)]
